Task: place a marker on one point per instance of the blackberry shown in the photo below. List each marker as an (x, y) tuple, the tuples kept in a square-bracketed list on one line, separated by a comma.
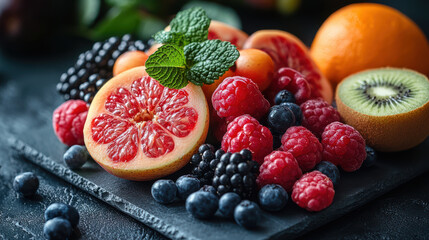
[(94, 67), (236, 172), (204, 163)]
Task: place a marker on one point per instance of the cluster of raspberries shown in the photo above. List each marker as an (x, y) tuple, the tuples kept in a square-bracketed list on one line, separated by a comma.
[(239, 108)]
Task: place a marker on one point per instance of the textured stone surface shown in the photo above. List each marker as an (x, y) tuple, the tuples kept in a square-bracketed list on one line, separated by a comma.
[(27, 101), (22, 218)]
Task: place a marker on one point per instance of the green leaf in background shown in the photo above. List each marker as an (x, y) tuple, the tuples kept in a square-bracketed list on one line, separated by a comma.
[(88, 11), (123, 3), (217, 12), (117, 22), (149, 26), (209, 60), (168, 66)]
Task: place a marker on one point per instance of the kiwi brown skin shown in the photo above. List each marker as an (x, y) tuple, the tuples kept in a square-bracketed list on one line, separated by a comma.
[(388, 133)]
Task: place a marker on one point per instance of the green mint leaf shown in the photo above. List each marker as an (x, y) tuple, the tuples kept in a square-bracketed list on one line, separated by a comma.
[(168, 66), (170, 38), (209, 60), (192, 23)]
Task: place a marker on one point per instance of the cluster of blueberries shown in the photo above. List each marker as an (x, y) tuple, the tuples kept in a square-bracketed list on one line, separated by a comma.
[(283, 115), (204, 203)]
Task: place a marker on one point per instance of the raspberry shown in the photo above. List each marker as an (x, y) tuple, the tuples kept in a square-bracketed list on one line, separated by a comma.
[(245, 132), (291, 80), (344, 146), (304, 146), (314, 191), (236, 96), (279, 168), (317, 114), (68, 121)]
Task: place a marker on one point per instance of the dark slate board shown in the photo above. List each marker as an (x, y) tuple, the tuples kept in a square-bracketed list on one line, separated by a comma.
[(26, 121)]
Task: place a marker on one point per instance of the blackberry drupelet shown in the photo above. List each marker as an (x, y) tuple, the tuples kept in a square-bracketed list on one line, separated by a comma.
[(236, 172), (204, 163), (93, 68)]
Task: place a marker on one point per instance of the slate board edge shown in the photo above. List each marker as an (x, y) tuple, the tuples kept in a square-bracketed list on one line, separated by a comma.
[(82, 183)]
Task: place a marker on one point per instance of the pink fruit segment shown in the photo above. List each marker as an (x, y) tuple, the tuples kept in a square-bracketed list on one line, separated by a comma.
[(146, 116), (288, 51)]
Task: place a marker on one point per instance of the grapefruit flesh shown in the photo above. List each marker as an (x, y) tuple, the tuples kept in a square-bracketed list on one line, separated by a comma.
[(286, 50), (139, 130)]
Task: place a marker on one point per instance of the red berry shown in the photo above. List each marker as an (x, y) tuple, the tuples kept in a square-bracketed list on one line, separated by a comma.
[(279, 168), (314, 191), (317, 114), (344, 146), (245, 132), (236, 96), (291, 80), (68, 121), (304, 146)]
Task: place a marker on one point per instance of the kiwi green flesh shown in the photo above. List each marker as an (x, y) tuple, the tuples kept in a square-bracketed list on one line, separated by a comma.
[(384, 91)]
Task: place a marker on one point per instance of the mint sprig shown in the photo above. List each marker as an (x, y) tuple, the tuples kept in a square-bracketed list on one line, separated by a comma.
[(188, 26), (209, 60), (187, 55), (168, 66)]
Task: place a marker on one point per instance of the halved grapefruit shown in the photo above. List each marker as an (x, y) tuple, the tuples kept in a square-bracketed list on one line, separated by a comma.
[(286, 50), (139, 130)]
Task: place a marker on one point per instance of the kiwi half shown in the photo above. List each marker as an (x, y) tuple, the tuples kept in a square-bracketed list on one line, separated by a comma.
[(388, 106)]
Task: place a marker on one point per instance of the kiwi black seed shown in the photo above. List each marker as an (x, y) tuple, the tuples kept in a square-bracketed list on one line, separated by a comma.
[(388, 106)]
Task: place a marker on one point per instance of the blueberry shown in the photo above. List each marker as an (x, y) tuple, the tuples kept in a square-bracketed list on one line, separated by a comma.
[(247, 214), (202, 204), (26, 184), (227, 204), (273, 197), (208, 188), (296, 111), (164, 191), (284, 96), (57, 229), (186, 185), (76, 156), (63, 211), (280, 119), (371, 157), (330, 170)]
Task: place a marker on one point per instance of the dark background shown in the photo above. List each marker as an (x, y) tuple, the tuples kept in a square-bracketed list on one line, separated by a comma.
[(47, 41)]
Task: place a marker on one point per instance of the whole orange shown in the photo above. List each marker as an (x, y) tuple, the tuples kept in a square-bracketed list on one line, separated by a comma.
[(368, 35)]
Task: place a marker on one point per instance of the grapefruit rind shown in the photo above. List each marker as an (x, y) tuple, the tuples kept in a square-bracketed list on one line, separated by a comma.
[(141, 167), (274, 43)]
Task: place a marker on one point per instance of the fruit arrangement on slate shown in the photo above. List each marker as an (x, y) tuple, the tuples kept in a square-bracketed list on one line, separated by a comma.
[(262, 100)]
